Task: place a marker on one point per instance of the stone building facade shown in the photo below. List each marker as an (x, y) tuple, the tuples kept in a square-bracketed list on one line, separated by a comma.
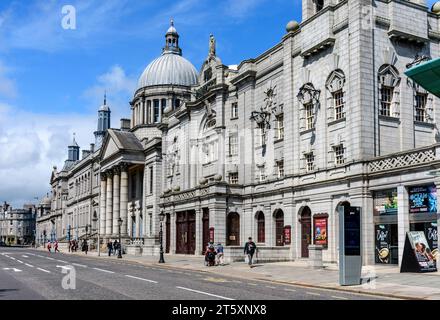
[(17, 226), (276, 147)]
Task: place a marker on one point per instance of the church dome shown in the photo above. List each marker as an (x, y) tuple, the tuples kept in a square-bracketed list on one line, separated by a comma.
[(170, 68)]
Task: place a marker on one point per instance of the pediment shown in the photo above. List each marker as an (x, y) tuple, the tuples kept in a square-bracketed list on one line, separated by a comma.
[(110, 148)]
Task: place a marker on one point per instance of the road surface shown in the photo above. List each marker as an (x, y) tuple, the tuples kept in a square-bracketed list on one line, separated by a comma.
[(38, 275)]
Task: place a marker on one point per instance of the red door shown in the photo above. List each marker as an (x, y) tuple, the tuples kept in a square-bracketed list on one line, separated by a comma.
[(205, 221), (186, 232), (279, 228), (233, 229), (167, 233), (306, 230)]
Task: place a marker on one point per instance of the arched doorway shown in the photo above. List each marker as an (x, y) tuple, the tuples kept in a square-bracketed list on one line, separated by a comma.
[(233, 229), (306, 231), (261, 228), (205, 223), (167, 233), (279, 227)]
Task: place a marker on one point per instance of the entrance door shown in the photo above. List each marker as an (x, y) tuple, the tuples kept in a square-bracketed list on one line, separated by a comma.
[(186, 232), (205, 221), (279, 228), (167, 233), (306, 230), (233, 229)]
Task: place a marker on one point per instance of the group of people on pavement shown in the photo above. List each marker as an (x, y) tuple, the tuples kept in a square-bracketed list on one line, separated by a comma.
[(73, 245), (113, 247), (214, 255), (55, 246)]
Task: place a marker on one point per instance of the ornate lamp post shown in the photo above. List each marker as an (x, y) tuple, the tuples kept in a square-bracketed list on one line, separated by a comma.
[(120, 244), (161, 217)]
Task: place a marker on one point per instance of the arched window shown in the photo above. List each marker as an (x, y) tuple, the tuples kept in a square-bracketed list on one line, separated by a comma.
[(389, 79), (233, 229), (279, 227), (319, 5), (261, 232)]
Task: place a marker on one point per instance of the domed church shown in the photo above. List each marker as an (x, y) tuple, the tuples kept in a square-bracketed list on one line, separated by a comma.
[(277, 147)]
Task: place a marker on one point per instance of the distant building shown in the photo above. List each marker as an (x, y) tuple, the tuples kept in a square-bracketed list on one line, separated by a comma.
[(17, 226)]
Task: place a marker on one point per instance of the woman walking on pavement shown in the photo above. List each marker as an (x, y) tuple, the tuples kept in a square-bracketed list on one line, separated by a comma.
[(49, 246), (56, 247)]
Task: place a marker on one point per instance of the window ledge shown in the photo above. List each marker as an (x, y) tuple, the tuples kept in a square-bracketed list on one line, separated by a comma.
[(307, 131), (234, 118), (389, 118), (425, 124), (333, 122), (278, 140)]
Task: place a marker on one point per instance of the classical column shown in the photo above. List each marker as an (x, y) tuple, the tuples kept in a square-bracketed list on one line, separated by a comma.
[(124, 199), (402, 218), (199, 231), (116, 188), (109, 205), (138, 219)]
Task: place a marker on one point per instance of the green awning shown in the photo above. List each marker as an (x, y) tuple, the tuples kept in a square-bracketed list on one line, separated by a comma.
[(427, 75)]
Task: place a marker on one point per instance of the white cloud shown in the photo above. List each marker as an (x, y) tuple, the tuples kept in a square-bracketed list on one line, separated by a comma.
[(31, 144), (119, 87)]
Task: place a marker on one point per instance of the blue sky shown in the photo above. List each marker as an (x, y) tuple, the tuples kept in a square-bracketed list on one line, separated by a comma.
[(52, 80)]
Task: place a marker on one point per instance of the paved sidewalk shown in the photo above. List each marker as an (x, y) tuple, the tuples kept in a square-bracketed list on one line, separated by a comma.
[(377, 280)]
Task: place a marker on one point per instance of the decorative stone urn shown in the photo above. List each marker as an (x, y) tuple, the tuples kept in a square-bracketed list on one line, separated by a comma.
[(176, 188), (203, 181), (218, 177)]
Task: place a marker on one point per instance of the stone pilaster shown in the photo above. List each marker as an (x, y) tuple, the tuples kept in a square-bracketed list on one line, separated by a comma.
[(124, 199), (109, 205), (102, 200), (402, 218), (116, 203), (138, 220)]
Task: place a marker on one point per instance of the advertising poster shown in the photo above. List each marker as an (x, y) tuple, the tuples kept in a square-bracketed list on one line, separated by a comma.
[(287, 234), (421, 250), (423, 199), (383, 242), (385, 202), (431, 237), (320, 231)]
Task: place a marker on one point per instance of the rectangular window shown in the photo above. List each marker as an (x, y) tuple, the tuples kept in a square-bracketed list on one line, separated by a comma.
[(310, 161), (310, 116), (280, 169), (338, 99), (339, 154), (151, 180), (261, 174), (262, 132), (280, 127), (156, 111), (233, 145), (386, 97), (234, 110), (233, 178), (420, 108), (176, 103)]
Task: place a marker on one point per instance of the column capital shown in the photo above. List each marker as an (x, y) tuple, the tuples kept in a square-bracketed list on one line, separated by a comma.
[(109, 173), (123, 166), (116, 170), (103, 176)]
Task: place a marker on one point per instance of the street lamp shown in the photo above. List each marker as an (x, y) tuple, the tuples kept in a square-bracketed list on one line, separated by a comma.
[(95, 219), (120, 244), (161, 217)]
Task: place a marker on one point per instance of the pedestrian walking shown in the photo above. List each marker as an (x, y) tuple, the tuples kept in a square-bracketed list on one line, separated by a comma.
[(115, 247), (109, 248), (85, 246), (56, 247), (49, 246), (210, 256), (220, 254), (249, 249), (70, 245)]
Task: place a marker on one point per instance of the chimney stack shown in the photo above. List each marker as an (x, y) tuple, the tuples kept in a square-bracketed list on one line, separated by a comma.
[(125, 124)]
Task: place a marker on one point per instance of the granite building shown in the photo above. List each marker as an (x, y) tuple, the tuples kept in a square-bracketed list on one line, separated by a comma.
[(275, 147), (17, 226)]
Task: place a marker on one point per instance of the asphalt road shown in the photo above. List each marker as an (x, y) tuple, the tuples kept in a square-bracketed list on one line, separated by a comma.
[(38, 275)]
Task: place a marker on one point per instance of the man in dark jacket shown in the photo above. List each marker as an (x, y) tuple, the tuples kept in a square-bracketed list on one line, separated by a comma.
[(250, 248)]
